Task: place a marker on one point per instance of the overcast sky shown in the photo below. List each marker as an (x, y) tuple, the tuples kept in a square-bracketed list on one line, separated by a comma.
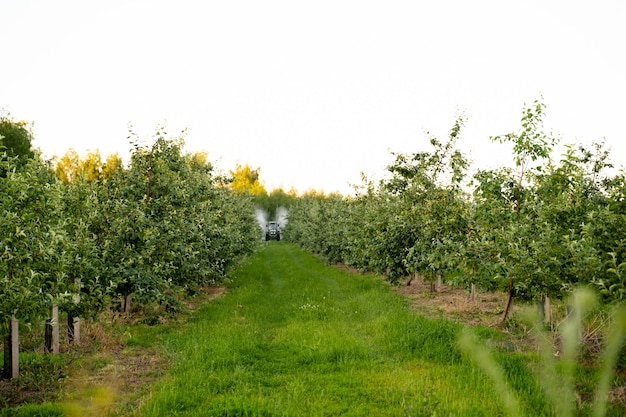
[(312, 92)]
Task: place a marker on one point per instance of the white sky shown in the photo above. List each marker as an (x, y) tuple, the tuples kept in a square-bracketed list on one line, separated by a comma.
[(312, 92)]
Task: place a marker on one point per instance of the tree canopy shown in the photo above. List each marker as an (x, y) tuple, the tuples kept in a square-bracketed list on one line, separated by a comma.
[(245, 180), (15, 137)]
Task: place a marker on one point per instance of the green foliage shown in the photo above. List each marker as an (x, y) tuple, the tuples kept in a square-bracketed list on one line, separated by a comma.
[(614, 288), (31, 235), (507, 215), (163, 225), (313, 220), (412, 222), (168, 224), (15, 139), (83, 265), (531, 143), (538, 228)]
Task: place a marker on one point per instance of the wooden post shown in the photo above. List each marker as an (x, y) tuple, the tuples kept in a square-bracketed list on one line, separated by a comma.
[(73, 323), (473, 292), (126, 303), (438, 287), (15, 347), (55, 329), (11, 368), (548, 316)]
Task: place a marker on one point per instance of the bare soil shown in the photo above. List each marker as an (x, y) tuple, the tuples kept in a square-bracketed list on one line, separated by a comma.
[(454, 303)]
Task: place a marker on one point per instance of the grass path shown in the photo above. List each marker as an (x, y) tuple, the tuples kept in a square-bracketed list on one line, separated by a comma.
[(293, 337)]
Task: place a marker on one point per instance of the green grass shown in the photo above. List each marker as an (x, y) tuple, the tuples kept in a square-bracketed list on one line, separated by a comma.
[(34, 410), (294, 337)]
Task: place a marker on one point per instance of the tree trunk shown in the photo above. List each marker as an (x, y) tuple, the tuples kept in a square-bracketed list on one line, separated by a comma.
[(47, 336), (473, 292), (509, 302), (11, 366), (73, 329), (543, 309), (414, 277), (7, 369), (438, 287), (52, 344)]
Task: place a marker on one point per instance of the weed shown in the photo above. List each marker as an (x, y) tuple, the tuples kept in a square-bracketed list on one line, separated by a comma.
[(565, 382)]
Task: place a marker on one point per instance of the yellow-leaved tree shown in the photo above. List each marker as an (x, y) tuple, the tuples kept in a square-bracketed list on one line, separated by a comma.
[(66, 167), (246, 181), (200, 160), (90, 168), (112, 165)]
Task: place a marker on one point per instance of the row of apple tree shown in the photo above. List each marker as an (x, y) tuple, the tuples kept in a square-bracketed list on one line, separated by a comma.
[(536, 228), (84, 234)]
